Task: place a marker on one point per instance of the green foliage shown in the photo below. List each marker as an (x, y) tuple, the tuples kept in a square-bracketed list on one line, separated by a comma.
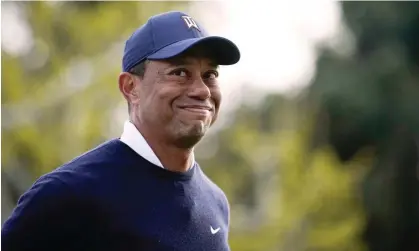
[(320, 198), (284, 193), (370, 99), (50, 114)]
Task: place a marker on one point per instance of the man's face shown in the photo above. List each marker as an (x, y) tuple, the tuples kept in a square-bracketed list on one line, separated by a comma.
[(178, 99)]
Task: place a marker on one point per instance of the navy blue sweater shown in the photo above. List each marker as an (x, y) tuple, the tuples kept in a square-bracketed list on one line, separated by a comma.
[(111, 198)]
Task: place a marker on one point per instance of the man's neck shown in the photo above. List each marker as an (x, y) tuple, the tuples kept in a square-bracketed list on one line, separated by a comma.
[(171, 157)]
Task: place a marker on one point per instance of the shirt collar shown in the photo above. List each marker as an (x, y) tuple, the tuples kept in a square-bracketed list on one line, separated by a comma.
[(133, 138)]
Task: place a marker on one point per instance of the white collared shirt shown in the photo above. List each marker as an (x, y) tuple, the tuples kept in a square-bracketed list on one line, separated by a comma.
[(133, 138)]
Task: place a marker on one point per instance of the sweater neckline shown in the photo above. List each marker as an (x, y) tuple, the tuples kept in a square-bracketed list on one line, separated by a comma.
[(138, 161)]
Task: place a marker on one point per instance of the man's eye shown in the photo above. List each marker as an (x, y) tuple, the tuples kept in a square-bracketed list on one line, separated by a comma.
[(179, 73), (211, 75)]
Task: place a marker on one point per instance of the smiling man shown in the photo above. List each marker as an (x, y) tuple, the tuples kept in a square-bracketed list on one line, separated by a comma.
[(143, 191)]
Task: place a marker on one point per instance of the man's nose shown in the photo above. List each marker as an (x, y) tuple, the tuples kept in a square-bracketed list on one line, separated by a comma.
[(199, 90)]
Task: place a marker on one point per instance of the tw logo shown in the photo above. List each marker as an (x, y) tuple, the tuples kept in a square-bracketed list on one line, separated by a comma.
[(190, 22)]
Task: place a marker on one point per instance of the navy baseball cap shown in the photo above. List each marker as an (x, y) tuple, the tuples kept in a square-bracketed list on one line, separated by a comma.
[(169, 34)]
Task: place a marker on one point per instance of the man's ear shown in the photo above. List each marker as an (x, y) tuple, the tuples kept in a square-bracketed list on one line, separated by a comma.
[(128, 87)]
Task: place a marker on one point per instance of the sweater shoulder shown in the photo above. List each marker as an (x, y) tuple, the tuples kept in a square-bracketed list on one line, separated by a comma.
[(105, 153), (93, 164), (219, 197), (215, 189)]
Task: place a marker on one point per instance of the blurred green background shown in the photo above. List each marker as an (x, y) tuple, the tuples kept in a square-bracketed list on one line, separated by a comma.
[(335, 167)]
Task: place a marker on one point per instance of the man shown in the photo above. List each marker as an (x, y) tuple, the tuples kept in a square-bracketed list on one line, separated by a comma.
[(143, 191)]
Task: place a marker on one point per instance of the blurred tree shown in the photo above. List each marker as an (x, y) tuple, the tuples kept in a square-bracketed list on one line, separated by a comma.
[(60, 97), (370, 100), (284, 194)]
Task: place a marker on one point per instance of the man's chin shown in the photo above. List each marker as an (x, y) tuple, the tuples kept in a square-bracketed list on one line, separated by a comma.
[(188, 142), (188, 137)]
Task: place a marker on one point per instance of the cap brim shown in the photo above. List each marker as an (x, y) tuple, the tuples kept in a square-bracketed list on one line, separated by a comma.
[(225, 52)]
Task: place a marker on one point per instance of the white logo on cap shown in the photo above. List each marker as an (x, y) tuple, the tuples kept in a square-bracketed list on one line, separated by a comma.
[(190, 22)]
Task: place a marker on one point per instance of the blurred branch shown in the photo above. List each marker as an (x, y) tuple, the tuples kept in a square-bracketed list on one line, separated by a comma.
[(64, 87)]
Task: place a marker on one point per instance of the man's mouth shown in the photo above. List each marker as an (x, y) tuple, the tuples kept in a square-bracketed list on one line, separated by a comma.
[(197, 109)]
